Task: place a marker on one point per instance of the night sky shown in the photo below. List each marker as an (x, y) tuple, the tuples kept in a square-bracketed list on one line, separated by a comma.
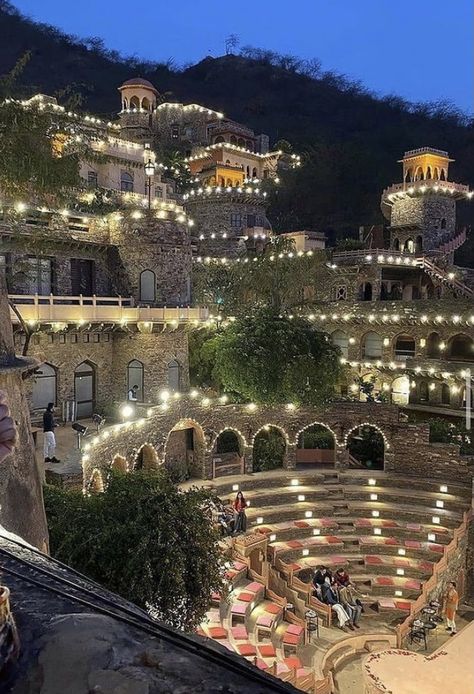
[(419, 49)]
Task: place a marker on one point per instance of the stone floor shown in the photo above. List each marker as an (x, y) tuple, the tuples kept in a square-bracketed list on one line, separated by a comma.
[(66, 449)]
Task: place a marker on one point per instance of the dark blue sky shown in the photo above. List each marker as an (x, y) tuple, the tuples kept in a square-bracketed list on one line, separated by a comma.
[(420, 49)]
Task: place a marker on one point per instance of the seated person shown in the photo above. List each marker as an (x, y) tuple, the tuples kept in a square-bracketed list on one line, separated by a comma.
[(320, 576), (342, 577), (330, 597), (349, 597)]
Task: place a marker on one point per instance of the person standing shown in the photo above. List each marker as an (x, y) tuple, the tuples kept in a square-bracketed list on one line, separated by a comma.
[(49, 439), (240, 524), (450, 607), (132, 394)]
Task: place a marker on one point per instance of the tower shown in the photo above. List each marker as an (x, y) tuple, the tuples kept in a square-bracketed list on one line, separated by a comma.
[(138, 104), (422, 209)]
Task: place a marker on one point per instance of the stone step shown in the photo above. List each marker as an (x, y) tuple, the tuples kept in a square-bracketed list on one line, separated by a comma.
[(374, 646), (340, 656)]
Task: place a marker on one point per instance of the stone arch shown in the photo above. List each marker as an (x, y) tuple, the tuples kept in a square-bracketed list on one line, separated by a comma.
[(442, 176), (270, 446), (461, 347), (365, 291), (428, 173), (409, 175), (233, 140), (184, 451), (372, 345), (175, 375), (135, 377), (96, 483), (404, 346), (146, 104), (419, 176), (396, 244), (419, 244), (316, 444), (410, 246), (219, 139), (146, 458), (135, 102), (45, 386), (436, 173), (341, 340), (228, 452), (241, 142), (254, 172), (147, 286), (367, 446)]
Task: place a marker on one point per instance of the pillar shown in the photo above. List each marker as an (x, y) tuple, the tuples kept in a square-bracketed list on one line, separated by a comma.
[(289, 461)]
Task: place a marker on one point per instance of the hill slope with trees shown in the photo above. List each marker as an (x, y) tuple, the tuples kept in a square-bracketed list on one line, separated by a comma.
[(350, 139)]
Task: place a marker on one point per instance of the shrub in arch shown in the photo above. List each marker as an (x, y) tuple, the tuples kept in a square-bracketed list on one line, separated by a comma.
[(119, 464), (96, 483), (147, 458), (366, 443), (269, 448)]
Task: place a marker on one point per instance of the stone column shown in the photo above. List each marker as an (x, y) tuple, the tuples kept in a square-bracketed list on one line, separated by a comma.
[(289, 461), (248, 459), (342, 458), (21, 497)]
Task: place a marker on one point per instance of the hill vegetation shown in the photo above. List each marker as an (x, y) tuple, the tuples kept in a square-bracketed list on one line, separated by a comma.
[(350, 139)]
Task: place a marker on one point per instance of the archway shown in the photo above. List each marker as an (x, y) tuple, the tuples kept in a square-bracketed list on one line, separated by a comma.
[(219, 139), (419, 244), (135, 378), (135, 102), (126, 182), (96, 483), (228, 453), (146, 106), (44, 387), (461, 347), (185, 450), (366, 445), (409, 246), (316, 445), (445, 394), (269, 448), (85, 389), (401, 390), (396, 244), (365, 291), (174, 376)]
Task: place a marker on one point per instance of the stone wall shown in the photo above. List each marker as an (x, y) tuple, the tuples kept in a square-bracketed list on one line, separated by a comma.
[(427, 212)]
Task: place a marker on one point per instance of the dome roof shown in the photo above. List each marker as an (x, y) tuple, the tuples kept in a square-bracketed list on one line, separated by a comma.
[(138, 82)]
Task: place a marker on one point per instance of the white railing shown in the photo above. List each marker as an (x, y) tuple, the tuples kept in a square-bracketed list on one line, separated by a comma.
[(90, 309)]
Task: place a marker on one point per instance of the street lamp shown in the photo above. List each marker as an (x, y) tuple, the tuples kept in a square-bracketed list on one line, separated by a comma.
[(150, 172)]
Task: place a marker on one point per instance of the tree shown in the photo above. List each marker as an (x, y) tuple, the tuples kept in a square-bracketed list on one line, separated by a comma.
[(268, 450), (269, 358), (144, 539)]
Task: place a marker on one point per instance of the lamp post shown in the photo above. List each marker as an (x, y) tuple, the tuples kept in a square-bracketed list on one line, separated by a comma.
[(150, 172)]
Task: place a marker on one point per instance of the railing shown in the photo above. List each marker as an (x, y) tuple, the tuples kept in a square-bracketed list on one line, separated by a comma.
[(430, 267), (89, 309), (412, 186), (433, 582)]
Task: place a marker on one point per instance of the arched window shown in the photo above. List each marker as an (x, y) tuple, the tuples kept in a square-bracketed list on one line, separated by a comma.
[(341, 340), (254, 173), (396, 244), (241, 142), (408, 176), (126, 182), (419, 244), (44, 387), (146, 106), (372, 346), (219, 139), (445, 394), (409, 246), (428, 173), (461, 347), (423, 391), (135, 378), (443, 223), (404, 347), (174, 375), (432, 346), (436, 174), (135, 102), (443, 175), (401, 390), (85, 389), (147, 286), (365, 291)]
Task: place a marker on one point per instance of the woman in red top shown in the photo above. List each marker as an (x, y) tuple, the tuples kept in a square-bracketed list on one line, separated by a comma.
[(240, 525)]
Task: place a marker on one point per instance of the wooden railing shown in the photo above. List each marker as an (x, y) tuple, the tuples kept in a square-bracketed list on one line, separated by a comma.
[(433, 582)]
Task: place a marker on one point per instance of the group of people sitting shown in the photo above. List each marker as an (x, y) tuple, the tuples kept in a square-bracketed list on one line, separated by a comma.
[(229, 520), (341, 594)]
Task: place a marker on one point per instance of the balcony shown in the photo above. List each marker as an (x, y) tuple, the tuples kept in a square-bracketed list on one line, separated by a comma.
[(98, 309)]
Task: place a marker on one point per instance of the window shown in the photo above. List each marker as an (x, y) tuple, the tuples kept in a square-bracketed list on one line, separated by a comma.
[(174, 132), (84, 389), (340, 292), (105, 337), (95, 337), (236, 220), (341, 340), (404, 347), (135, 378), (73, 339), (147, 286), (126, 182), (92, 180), (445, 394), (85, 337), (372, 346), (62, 339), (174, 375), (38, 276), (424, 391), (158, 192)]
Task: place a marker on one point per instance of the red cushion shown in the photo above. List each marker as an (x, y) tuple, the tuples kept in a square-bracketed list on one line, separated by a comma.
[(217, 632), (332, 540), (402, 605), (254, 587), (291, 639), (272, 608), (294, 544), (295, 629), (301, 524), (293, 662), (239, 633), (261, 664), (246, 649), (267, 650), (246, 597)]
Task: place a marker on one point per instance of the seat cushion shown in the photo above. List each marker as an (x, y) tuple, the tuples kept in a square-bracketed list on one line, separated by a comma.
[(217, 632), (295, 629), (265, 621), (240, 633), (293, 662), (272, 608), (239, 608), (254, 587), (267, 650), (245, 597), (246, 649), (291, 639)]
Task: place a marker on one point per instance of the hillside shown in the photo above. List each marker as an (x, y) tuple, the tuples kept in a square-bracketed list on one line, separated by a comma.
[(351, 139)]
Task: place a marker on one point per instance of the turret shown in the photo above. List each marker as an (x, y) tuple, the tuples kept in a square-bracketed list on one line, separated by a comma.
[(422, 209), (138, 104)]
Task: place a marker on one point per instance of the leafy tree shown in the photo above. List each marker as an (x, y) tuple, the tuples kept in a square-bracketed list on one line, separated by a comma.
[(349, 244), (269, 358), (444, 431), (142, 538)]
